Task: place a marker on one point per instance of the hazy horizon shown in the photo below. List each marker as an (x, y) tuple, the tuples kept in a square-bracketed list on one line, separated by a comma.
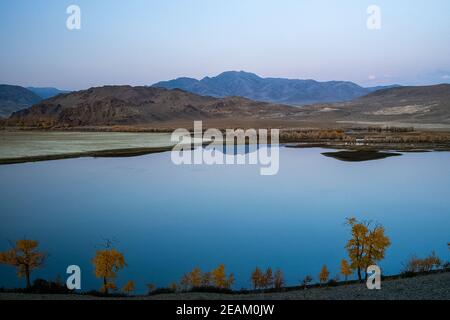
[(144, 42)]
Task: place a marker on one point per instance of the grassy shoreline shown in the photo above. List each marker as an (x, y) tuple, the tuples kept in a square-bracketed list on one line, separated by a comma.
[(351, 153), (123, 153), (366, 143)]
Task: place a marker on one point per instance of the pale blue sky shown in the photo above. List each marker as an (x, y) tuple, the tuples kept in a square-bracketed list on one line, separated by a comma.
[(140, 42)]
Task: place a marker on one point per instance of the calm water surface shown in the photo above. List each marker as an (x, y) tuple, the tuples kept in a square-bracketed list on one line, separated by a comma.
[(169, 219)]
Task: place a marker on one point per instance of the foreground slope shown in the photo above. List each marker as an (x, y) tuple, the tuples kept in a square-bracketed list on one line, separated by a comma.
[(427, 287)]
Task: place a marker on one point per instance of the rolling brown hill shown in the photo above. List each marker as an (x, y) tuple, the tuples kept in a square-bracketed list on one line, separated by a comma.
[(151, 107), (414, 105), (126, 105)]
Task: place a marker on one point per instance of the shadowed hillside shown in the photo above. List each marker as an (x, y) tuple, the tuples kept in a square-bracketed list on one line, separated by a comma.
[(126, 105), (14, 98), (47, 92)]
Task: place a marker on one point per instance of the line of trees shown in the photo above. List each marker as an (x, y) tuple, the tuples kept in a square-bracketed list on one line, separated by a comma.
[(267, 279), (216, 278), (417, 265), (315, 136), (25, 256), (367, 246)]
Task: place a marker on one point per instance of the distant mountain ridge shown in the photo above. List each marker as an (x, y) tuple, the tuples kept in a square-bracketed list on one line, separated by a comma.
[(47, 92), (274, 90), (14, 98)]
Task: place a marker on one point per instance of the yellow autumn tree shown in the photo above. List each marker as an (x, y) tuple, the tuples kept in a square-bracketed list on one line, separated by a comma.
[(256, 278), (25, 257), (128, 287), (193, 279), (278, 280), (206, 279), (367, 245), (324, 274), (196, 277), (220, 279), (268, 278), (106, 264), (346, 271)]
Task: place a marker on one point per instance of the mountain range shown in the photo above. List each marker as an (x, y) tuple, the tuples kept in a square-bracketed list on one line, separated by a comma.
[(126, 105), (232, 97), (227, 84), (274, 90), (152, 106)]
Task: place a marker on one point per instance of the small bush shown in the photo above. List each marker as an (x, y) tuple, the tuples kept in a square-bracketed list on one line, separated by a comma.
[(332, 283), (49, 287), (417, 265), (41, 286)]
